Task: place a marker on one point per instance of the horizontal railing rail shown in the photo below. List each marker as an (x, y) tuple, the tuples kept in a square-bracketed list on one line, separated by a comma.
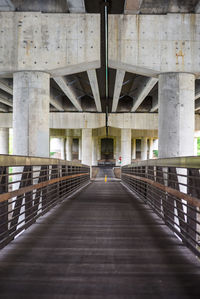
[(172, 188), (31, 186)]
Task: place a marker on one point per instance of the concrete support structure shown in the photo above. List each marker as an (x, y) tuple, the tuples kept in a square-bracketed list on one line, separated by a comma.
[(4, 141), (176, 115), (80, 149), (69, 148), (87, 146), (94, 150), (31, 114), (63, 148), (144, 148), (150, 148), (126, 146), (195, 146), (134, 149)]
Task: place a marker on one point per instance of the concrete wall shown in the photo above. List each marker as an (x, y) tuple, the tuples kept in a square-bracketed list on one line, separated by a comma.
[(29, 41), (151, 44)]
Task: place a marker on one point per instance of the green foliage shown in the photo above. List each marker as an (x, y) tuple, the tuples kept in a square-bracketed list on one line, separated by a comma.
[(198, 146), (155, 153)]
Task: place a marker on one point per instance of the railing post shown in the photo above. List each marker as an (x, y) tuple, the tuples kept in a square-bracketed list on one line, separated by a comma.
[(3, 205)]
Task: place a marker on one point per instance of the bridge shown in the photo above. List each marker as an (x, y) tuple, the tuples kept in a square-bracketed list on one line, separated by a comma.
[(99, 145), (65, 236)]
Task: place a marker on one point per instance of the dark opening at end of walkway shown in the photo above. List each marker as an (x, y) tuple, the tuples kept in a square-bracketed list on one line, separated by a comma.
[(103, 243)]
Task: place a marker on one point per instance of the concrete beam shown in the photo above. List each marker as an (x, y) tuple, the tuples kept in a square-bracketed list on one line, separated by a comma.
[(132, 7), (143, 91), (68, 91), (6, 5), (197, 7), (4, 100), (4, 86), (197, 104), (118, 86), (154, 103), (55, 101), (76, 6), (3, 108), (95, 88), (146, 43)]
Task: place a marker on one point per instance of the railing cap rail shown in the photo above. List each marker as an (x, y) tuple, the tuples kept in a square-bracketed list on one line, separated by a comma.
[(182, 162), (11, 160)]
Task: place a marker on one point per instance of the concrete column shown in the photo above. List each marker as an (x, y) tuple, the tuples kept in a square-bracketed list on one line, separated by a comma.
[(87, 146), (94, 150), (118, 150), (69, 148), (63, 148), (176, 115), (144, 148), (134, 148), (80, 149), (150, 148), (31, 113), (126, 146), (4, 141)]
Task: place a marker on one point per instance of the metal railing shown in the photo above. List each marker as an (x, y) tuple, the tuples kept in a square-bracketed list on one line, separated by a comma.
[(29, 187), (172, 188)]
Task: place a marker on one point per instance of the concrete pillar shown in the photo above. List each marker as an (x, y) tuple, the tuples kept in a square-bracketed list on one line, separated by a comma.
[(69, 148), (63, 148), (31, 113), (118, 150), (144, 148), (134, 148), (87, 146), (80, 149), (126, 146), (150, 148), (94, 150), (176, 115), (4, 141)]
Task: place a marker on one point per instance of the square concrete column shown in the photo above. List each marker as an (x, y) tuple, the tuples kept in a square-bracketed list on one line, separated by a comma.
[(94, 150), (63, 148), (134, 148), (31, 114), (150, 148), (87, 146), (69, 148), (144, 148), (126, 146), (176, 115), (4, 141)]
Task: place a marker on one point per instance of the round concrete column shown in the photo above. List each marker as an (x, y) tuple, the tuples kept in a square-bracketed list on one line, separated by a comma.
[(80, 149), (69, 148), (176, 115), (144, 148), (31, 114), (126, 146), (94, 150), (134, 149), (150, 148), (4, 141), (87, 146)]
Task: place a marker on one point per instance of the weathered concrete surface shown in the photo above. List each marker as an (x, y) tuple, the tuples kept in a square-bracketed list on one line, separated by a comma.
[(117, 90), (4, 141), (176, 115), (73, 120), (126, 146), (144, 148), (60, 44), (151, 44), (87, 147), (31, 114)]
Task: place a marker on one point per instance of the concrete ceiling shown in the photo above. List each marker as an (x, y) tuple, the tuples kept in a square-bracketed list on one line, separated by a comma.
[(80, 92)]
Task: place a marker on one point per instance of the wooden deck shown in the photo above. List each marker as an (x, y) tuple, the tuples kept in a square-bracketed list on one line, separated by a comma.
[(103, 243)]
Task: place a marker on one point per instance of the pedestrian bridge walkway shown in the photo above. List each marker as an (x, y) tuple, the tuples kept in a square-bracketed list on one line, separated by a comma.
[(102, 242)]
